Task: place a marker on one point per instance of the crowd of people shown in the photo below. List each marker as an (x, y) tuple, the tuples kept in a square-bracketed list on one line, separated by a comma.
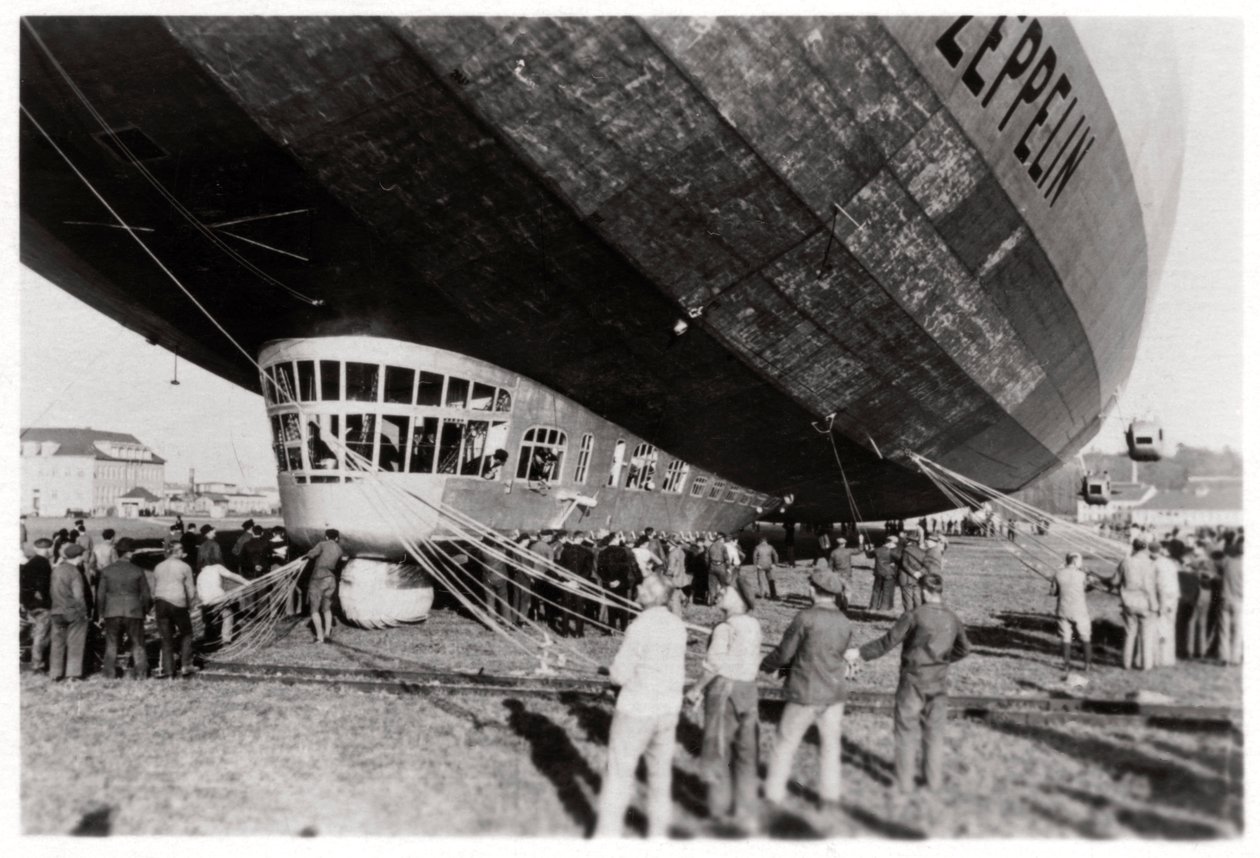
[(818, 655), (81, 593), (1179, 598)]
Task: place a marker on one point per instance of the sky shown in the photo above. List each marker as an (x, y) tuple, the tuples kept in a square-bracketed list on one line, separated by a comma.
[(79, 368)]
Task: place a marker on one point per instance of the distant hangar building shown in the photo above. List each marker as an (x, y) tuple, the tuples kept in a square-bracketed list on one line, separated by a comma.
[(86, 471)]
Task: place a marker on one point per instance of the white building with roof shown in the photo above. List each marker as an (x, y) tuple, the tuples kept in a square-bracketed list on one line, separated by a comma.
[(84, 471), (1204, 502)]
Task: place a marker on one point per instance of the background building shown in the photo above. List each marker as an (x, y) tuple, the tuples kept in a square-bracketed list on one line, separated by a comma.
[(84, 471), (1204, 502)]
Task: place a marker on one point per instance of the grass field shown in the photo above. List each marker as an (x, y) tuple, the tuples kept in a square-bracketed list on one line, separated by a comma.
[(169, 758)]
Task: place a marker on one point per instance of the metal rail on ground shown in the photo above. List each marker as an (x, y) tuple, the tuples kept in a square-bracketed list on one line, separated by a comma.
[(1028, 710)]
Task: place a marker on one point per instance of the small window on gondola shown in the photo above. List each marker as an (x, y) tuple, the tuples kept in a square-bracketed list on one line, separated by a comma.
[(398, 384), (362, 381), (429, 392)]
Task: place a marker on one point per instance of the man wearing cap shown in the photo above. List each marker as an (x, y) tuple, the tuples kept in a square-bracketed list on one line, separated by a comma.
[(34, 585), (323, 585), (812, 651), (934, 554), (1139, 603), (173, 534), (255, 558), (174, 594), (728, 756), (932, 638), (676, 573), (209, 552), (83, 538), (1198, 641), (884, 585), (123, 599), (1070, 584), (68, 615), (840, 561), (650, 671), (764, 559)]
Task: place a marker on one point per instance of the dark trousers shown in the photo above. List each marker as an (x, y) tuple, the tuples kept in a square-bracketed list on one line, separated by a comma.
[(498, 595), (69, 637), (618, 617), (728, 756), (174, 623), (911, 595), (522, 595), (115, 627), (919, 716)]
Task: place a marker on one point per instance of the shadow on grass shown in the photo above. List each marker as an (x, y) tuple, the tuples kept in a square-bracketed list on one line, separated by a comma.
[(1171, 783), (1147, 823), (557, 759)]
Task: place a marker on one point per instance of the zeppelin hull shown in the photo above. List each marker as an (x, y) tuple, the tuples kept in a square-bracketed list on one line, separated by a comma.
[(827, 203)]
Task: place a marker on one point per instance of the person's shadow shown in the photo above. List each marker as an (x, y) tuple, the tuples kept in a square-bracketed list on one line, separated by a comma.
[(557, 759)]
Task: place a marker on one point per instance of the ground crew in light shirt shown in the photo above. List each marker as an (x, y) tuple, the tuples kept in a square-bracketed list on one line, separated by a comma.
[(649, 668)]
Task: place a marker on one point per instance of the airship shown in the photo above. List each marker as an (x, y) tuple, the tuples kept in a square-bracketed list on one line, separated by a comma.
[(609, 273)]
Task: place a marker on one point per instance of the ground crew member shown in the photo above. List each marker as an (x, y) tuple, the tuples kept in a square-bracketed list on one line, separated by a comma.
[(1070, 585), (812, 650), (618, 574), (765, 558), (495, 578), (69, 615), (217, 611), (123, 599), (676, 574), (104, 551), (840, 560), (934, 554), (1168, 595), (649, 668), (209, 552), (83, 538), (34, 586), (247, 533), (934, 639), (719, 567), (728, 755), (173, 595), (577, 556), (255, 555), (1231, 623), (1198, 640), (1139, 602), (884, 585), (911, 567), (323, 584)]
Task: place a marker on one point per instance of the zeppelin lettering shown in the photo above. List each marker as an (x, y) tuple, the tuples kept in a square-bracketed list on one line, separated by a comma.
[(1051, 131)]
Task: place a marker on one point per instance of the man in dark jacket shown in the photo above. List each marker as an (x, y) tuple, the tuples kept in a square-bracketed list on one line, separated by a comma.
[(934, 639), (122, 600), (495, 577), (578, 558), (69, 613), (910, 570), (884, 585), (255, 556), (812, 650), (34, 584), (247, 533), (208, 552), (618, 574)]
